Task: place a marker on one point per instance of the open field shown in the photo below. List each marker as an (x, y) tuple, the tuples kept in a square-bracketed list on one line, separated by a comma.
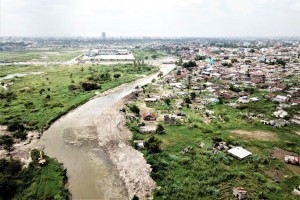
[(37, 100), (45, 56), (254, 135), (145, 54)]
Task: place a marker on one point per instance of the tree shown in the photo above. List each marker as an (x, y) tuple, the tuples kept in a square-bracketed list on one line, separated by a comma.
[(189, 64), (187, 100), (153, 144), (193, 95), (154, 56), (135, 198), (233, 60), (117, 75), (105, 76), (160, 129), (8, 143), (134, 109), (167, 101), (87, 86), (198, 57), (189, 82), (281, 62)]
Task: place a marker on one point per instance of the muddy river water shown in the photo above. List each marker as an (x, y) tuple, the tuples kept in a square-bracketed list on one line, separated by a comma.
[(91, 174)]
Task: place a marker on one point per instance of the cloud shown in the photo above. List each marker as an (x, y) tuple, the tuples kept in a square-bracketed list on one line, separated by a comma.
[(151, 18)]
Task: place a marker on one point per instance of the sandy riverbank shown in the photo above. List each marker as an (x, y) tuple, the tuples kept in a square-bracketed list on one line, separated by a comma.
[(130, 163)]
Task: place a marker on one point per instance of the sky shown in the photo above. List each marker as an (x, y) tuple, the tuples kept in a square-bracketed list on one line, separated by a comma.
[(154, 18)]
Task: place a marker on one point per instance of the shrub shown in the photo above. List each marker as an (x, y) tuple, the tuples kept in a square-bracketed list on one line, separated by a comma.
[(193, 95), (167, 101), (87, 86), (7, 142), (117, 75), (160, 129), (187, 100), (20, 134), (15, 126), (72, 87), (242, 175), (260, 177), (134, 109)]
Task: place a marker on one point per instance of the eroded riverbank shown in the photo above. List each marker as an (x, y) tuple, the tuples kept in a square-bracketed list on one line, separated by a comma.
[(93, 173)]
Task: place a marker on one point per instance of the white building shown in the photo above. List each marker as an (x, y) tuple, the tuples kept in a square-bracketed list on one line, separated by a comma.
[(239, 152)]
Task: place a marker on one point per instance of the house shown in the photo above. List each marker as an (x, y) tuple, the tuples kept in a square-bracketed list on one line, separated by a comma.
[(280, 113), (279, 122), (292, 160), (149, 117), (254, 99), (150, 99), (239, 152), (281, 98), (296, 119), (243, 99), (148, 129), (169, 119), (139, 143), (240, 193), (228, 95), (297, 191), (181, 114)]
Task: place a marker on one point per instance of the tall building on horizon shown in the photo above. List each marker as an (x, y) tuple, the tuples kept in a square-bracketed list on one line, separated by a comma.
[(103, 35)]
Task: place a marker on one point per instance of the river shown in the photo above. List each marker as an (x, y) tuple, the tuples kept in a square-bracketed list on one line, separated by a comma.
[(91, 173)]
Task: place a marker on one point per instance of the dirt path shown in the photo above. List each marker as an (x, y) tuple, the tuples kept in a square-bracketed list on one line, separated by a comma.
[(130, 163)]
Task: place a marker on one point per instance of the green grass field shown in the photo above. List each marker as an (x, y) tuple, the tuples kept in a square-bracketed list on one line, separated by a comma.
[(145, 54), (46, 56), (36, 100)]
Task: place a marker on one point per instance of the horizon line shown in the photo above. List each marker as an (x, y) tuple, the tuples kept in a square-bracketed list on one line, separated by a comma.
[(160, 37)]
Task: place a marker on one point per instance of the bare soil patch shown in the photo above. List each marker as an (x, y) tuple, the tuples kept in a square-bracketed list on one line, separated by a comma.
[(130, 163), (275, 174), (22, 149), (280, 154), (255, 135)]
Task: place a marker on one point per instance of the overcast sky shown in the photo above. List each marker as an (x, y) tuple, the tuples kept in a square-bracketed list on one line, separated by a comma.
[(201, 18)]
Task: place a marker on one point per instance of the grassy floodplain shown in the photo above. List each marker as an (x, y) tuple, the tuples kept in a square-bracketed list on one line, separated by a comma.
[(36, 100), (200, 173), (42, 56)]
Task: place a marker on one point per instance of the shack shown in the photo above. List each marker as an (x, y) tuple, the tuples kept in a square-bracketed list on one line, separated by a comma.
[(240, 193), (239, 152)]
